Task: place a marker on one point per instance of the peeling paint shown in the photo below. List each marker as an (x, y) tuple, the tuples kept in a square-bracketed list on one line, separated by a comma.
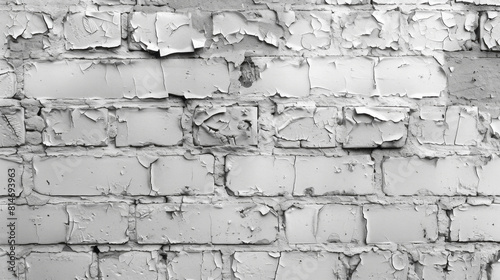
[(92, 29), (309, 31), (448, 31), (367, 127), (166, 33), (180, 265), (233, 26)]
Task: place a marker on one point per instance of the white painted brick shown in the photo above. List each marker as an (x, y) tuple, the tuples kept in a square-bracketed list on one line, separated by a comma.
[(265, 175), (98, 223), (133, 265), (327, 175), (377, 29), (246, 223), (429, 125), (488, 177), (370, 127), (86, 175), (64, 265), (220, 224), (401, 223), (489, 31), (10, 166), (438, 176), (26, 24), (225, 126), (495, 270), (341, 75), (68, 79), (325, 224), (254, 265), (88, 29), (447, 265), (12, 129), (464, 265), (7, 76), (5, 262), (462, 126), (432, 265), (142, 127), (448, 31), (87, 127), (195, 78), (309, 30), (4, 28), (45, 224), (174, 175), (170, 223), (415, 77), (410, 2), (194, 265), (381, 265), (475, 223), (310, 266), (231, 27), (480, 2), (305, 126), (164, 32), (277, 76)]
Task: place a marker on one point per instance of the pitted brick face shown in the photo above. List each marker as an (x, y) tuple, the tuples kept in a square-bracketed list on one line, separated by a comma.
[(249, 139)]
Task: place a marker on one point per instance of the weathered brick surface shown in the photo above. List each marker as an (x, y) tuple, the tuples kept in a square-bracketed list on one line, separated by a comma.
[(249, 139)]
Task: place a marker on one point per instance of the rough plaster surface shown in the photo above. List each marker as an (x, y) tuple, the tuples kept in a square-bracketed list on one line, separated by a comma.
[(249, 139)]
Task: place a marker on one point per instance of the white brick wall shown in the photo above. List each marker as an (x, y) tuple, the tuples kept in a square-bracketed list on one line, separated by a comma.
[(249, 139)]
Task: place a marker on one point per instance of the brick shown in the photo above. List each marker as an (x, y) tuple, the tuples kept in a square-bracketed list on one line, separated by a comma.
[(88, 29), (114, 2), (430, 125), (310, 265), (448, 31), (197, 224), (254, 265), (69, 265), (488, 31), (87, 127), (370, 127), (195, 78), (7, 77), (415, 77), (194, 265), (448, 265), (480, 2), (150, 126), (215, 5), (5, 266), (439, 176), (401, 223), (98, 223), (4, 29), (305, 126), (170, 223), (133, 265), (45, 224), (68, 79), (166, 33), (381, 265), (378, 29), (475, 223), (86, 175), (324, 224), (10, 166), (12, 130), (232, 27), (233, 125), (487, 175), (462, 126), (474, 79), (322, 175), (275, 175), (342, 75), (495, 270), (175, 175), (26, 24), (410, 2), (309, 30), (283, 77)]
